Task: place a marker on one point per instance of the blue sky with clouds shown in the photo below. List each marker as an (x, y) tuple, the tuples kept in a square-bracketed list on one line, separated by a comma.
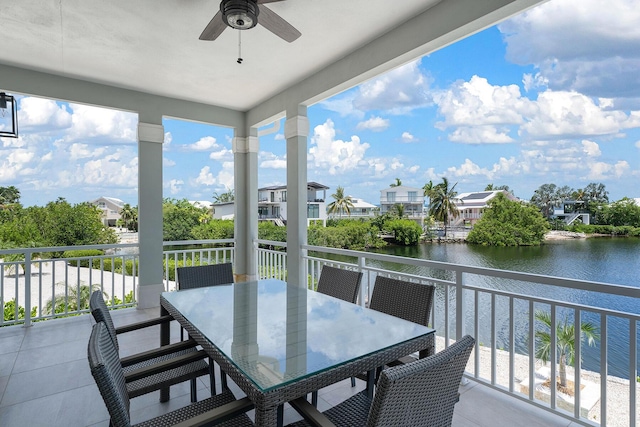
[(549, 96)]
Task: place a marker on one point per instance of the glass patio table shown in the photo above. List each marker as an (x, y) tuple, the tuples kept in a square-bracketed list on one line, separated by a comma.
[(279, 342)]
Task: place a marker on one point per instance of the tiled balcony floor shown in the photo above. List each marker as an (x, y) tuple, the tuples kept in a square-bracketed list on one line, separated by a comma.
[(45, 381)]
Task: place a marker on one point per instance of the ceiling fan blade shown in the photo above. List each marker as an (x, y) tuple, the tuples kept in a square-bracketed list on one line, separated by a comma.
[(214, 28), (277, 25)]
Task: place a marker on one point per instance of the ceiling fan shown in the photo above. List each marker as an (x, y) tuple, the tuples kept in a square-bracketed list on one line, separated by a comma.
[(243, 15)]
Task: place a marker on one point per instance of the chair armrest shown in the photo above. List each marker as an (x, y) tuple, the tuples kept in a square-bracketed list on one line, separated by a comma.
[(310, 413), (165, 365), (219, 414), (157, 352), (144, 324)]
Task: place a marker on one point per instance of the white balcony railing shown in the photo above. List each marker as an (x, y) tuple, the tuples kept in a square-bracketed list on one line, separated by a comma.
[(495, 306), (501, 316)]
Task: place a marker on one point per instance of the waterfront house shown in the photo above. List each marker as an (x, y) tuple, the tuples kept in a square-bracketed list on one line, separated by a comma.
[(272, 204), (359, 209), (571, 210), (471, 205), (409, 198), (111, 208)]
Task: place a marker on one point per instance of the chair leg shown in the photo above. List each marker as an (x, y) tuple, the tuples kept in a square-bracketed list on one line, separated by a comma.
[(212, 377), (223, 380), (314, 399), (353, 381), (194, 391)]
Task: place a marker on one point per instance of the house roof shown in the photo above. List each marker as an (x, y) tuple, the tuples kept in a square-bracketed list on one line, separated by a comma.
[(479, 199), (361, 204), (402, 188), (88, 51), (113, 200), (310, 186)]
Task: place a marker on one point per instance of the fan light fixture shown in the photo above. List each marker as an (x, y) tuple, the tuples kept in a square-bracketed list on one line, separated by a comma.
[(8, 116), (240, 14)]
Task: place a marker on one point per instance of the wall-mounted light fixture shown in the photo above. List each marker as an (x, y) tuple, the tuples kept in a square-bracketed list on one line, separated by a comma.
[(8, 116)]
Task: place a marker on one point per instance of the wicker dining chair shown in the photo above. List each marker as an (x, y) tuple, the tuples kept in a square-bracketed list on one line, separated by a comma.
[(420, 393), (107, 371), (200, 276), (339, 283), (406, 300), (141, 371)]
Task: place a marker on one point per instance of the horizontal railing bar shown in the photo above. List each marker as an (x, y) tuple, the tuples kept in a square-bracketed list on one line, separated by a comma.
[(621, 290)]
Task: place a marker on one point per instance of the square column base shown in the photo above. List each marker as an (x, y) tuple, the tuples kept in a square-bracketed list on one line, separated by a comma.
[(149, 295)]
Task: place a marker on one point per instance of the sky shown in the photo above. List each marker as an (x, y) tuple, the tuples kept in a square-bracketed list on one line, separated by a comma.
[(549, 96)]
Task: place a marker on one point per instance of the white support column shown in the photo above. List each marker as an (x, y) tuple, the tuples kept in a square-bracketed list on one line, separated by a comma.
[(296, 130), (245, 156), (150, 139)]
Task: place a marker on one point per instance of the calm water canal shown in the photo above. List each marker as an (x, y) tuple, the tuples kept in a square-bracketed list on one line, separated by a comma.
[(607, 260)]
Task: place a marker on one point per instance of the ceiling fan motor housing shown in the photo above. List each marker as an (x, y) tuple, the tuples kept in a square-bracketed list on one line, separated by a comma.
[(240, 14)]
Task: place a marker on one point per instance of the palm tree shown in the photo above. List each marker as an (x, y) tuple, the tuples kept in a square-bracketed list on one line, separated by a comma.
[(565, 340), (441, 203), (341, 203), (75, 300), (399, 210), (226, 197), (428, 190), (398, 183), (128, 215)]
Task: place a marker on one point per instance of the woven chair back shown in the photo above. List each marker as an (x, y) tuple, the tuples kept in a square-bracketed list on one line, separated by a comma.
[(406, 300), (100, 313), (421, 393), (204, 275), (339, 283), (107, 372)]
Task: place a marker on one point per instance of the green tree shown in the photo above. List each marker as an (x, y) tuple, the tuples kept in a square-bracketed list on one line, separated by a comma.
[(624, 212), (129, 216), (545, 198), (80, 224), (9, 196), (398, 211), (442, 205), (214, 229), (509, 223), (226, 197), (428, 190), (398, 183), (10, 311), (179, 219), (565, 340), (405, 232), (341, 203)]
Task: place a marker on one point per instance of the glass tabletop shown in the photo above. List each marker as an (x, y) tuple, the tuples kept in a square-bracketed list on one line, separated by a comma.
[(277, 333)]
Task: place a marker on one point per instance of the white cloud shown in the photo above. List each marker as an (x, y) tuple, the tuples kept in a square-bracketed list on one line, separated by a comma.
[(203, 144), (621, 168), (42, 113), (102, 123), (375, 124), (333, 155), (225, 176), (221, 154), (408, 137), (167, 162), (480, 135), (398, 91), (637, 144), (205, 177), (476, 103), (116, 169), (279, 137), (592, 149), (590, 46), (269, 160), (83, 151), (168, 138), (560, 113), (175, 185)]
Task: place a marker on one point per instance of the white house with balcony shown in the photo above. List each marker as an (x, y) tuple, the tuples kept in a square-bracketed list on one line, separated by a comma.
[(472, 205), (111, 208), (272, 204), (359, 209), (410, 198)]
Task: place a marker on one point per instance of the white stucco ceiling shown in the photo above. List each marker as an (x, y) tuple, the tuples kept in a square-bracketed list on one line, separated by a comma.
[(152, 46)]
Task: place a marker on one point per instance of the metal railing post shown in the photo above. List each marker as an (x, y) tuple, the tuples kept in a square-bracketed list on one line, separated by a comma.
[(27, 288), (459, 306)]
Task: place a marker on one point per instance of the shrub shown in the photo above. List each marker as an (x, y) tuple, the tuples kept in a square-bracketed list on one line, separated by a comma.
[(86, 253), (405, 232), (10, 311)]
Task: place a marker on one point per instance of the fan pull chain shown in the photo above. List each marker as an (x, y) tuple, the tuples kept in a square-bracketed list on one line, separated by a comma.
[(239, 61)]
